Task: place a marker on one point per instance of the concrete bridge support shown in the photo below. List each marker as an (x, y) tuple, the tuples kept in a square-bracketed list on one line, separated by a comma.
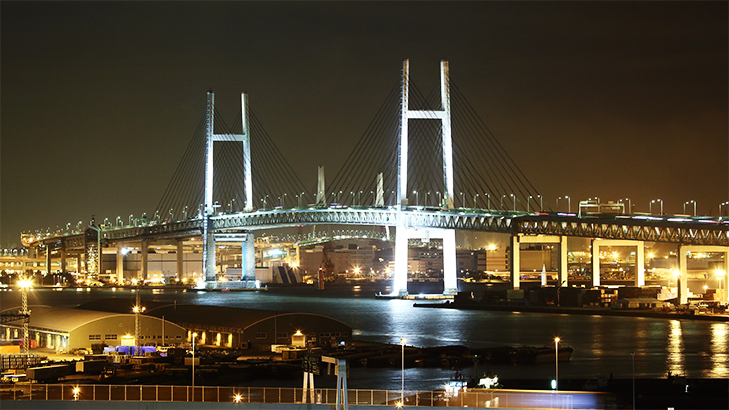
[(639, 259), (179, 253), (517, 240), (63, 258), (120, 251), (450, 281), (248, 257), (683, 251), (143, 247)]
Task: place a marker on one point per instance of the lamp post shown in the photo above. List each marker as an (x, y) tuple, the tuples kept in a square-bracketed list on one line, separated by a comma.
[(721, 205), (569, 203), (488, 200), (475, 197), (417, 198), (402, 385), (513, 199), (629, 204), (556, 363), (632, 356), (650, 206), (689, 202), (194, 335)]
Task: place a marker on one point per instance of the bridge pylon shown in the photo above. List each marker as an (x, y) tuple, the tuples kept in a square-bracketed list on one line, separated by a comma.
[(404, 231), (209, 206)]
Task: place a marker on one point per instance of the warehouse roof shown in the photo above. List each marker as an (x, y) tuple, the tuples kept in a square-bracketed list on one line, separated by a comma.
[(61, 320), (199, 314)]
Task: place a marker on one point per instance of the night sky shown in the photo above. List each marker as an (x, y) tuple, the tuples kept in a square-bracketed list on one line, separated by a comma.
[(606, 99)]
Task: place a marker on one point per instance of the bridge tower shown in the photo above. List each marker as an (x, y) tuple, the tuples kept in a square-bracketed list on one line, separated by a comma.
[(404, 229), (248, 253)]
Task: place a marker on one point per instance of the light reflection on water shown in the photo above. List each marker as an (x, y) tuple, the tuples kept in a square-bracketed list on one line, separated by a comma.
[(675, 348), (719, 350), (602, 344)]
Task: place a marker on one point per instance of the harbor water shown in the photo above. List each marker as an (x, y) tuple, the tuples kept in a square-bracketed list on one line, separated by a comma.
[(603, 345)]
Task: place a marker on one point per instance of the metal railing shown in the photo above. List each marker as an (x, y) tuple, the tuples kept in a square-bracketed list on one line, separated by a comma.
[(276, 395)]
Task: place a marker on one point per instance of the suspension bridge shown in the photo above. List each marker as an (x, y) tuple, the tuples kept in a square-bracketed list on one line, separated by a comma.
[(426, 166)]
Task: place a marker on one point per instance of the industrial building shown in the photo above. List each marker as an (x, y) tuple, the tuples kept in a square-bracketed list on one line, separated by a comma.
[(70, 329), (228, 327)]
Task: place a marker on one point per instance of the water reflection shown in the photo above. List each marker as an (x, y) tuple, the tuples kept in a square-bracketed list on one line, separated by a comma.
[(719, 354), (675, 360)]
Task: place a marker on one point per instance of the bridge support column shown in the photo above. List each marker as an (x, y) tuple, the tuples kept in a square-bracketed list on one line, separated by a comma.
[(120, 264), (142, 273), (563, 269), (640, 265), (450, 281), (400, 276), (209, 252), (515, 262), (683, 276), (180, 260), (639, 258), (63, 258), (48, 260), (721, 275), (516, 240), (248, 257)]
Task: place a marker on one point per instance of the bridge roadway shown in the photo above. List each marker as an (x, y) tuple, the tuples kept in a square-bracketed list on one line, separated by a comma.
[(671, 229)]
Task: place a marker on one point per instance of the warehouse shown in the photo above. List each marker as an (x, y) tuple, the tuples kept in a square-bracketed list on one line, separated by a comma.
[(66, 329), (240, 328)]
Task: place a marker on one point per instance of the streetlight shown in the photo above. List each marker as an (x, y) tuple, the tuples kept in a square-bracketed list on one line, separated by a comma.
[(194, 335), (402, 386), (721, 205), (474, 201), (650, 206), (417, 198), (629, 204), (569, 203), (463, 200), (513, 199), (488, 200), (556, 363), (689, 202), (632, 356)]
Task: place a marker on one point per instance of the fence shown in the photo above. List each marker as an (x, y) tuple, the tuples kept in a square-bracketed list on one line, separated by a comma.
[(216, 394)]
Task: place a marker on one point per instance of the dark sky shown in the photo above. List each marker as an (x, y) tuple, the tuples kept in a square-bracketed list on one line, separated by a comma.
[(607, 99)]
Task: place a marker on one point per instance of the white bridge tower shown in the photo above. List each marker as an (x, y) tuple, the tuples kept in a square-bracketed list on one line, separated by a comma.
[(404, 229), (248, 253)]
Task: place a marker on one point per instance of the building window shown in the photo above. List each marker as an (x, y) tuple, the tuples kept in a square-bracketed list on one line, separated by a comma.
[(282, 335), (94, 337), (260, 335), (110, 337)]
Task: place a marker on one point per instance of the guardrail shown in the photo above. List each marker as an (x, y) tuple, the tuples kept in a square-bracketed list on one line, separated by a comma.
[(223, 394)]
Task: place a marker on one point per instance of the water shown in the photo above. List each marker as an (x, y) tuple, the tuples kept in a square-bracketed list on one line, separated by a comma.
[(602, 344)]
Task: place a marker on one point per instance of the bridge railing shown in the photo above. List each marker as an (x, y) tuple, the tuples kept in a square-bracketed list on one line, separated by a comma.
[(276, 395)]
